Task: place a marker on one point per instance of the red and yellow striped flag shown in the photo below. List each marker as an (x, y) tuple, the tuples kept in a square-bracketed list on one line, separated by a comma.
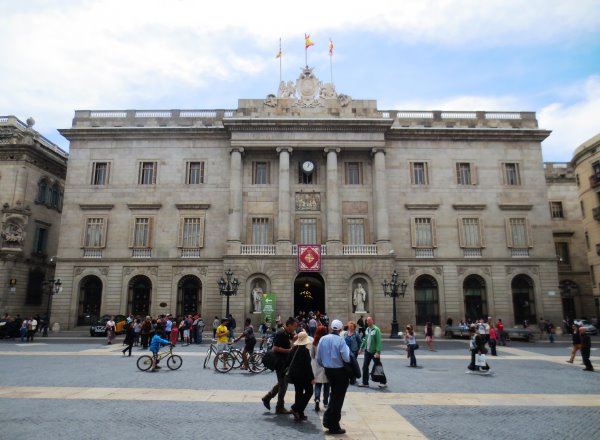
[(307, 42), (279, 53), (330, 47)]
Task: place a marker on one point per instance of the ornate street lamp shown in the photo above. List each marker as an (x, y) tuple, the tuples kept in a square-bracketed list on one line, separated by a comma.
[(54, 287), (391, 289), (228, 287)]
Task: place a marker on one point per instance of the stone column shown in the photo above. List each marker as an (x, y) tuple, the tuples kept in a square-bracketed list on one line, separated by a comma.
[(284, 237), (382, 228), (334, 220), (234, 232)]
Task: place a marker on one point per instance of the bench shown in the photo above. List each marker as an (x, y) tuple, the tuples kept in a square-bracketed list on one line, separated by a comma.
[(515, 333)]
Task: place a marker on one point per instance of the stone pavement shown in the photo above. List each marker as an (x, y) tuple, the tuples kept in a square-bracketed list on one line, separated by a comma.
[(79, 388)]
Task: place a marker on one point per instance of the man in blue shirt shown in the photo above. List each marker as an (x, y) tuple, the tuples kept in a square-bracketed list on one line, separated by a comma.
[(332, 352)]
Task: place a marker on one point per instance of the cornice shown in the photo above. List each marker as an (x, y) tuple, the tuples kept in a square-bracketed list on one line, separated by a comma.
[(515, 206), (368, 125), (195, 206), (137, 133), (467, 134), (98, 207), (36, 156), (469, 206), (422, 206), (139, 206)]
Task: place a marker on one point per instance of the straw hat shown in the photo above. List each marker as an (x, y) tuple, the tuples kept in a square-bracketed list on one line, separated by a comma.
[(303, 339)]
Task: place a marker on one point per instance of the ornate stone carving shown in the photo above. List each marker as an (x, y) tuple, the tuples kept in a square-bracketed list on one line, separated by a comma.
[(104, 270), (286, 91), (12, 235), (307, 86), (128, 270), (271, 100), (79, 271), (344, 100), (487, 271), (412, 270), (308, 202), (460, 270), (178, 271), (509, 270), (154, 271), (438, 270), (327, 91)]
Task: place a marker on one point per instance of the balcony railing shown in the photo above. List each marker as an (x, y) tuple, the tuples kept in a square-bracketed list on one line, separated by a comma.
[(472, 252), (519, 252), (141, 253), (92, 253), (190, 253), (424, 253), (359, 249), (295, 249), (259, 249)]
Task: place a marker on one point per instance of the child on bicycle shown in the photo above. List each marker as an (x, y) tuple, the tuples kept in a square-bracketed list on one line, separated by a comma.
[(155, 345)]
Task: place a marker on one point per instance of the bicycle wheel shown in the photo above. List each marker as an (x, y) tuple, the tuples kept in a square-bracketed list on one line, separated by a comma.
[(174, 362), (208, 354), (223, 362), (237, 358), (255, 363), (144, 363)]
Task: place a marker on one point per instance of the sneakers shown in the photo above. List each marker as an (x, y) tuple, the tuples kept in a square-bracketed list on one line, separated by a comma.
[(469, 372), (266, 402), (363, 385), (383, 385), (282, 411), (317, 408), (569, 362), (336, 431)]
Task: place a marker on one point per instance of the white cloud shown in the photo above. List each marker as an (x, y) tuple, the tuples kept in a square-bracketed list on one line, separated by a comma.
[(571, 124)]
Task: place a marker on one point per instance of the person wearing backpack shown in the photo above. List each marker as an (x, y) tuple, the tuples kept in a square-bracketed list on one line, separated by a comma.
[(199, 326)]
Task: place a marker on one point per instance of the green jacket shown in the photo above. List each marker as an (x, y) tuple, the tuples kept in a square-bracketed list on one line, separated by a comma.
[(375, 339)]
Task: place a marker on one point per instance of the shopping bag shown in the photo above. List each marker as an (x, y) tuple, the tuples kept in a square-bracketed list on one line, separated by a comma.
[(480, 360), (377, 373)]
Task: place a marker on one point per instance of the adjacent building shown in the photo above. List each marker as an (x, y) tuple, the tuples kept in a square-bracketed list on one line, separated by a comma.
[(32, 179), (160, 203)]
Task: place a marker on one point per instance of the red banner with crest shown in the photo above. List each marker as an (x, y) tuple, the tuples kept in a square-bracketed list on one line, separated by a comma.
[(309, 257)]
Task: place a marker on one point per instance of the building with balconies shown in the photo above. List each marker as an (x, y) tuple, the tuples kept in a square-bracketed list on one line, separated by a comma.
[(160, 203)]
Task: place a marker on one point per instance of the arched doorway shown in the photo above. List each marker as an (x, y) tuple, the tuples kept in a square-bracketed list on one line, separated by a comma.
[(189, 296), (140, 295), (427, 304), (90, 299), (523, 299), (568, 291), (309, 293), (475, 298)]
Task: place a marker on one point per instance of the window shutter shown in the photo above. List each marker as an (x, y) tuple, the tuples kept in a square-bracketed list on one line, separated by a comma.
[(150, 231), (509, 242), (461, 233), (433, 233), (413, 232), (271, 226), (181, 230), (132, 232), (474, 180), (107, 177), (201, 221), (529, 234), (503, 171), (93, 173), (457, 170), (411, 171), (346, 173), (268, 173), (426, 172), (104, 232), (518, 173), (481, 233), (154, 172)]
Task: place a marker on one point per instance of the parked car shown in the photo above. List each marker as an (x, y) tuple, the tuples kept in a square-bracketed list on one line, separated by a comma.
[(9, 329), (589, 328), (99, 329)]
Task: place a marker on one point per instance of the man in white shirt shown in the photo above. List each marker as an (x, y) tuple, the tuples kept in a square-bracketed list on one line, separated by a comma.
[(31, 329)]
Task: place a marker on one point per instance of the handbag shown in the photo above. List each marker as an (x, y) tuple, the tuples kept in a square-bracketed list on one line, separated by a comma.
[(416, 346), (480, 360), (377, 373), (352, 368), (270, 360)]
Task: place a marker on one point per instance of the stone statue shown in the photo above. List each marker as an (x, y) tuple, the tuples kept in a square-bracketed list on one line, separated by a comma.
[(286, 90), (257, 294), (359, 298), (12, 234), (271, 100), (327, 91), (344, 100)]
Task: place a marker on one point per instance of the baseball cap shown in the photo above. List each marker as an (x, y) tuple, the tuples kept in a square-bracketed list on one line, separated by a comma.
[(337, 325)]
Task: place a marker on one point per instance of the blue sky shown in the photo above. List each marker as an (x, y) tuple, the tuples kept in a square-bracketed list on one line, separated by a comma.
[(534, 55)]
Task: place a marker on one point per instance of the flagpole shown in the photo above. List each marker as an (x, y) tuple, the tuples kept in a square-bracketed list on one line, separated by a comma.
[(280, 57), (331, 67)]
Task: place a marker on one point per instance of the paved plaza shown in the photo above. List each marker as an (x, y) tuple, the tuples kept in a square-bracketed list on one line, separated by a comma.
[(69, 386)]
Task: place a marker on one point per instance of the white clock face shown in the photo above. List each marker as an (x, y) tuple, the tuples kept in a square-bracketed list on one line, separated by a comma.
[(308, 166)]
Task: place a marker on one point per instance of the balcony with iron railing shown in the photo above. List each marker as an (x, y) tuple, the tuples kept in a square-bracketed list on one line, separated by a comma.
[(92, 253), (424, 253), (259, 249), (141, 253), (190, 252), (519, 252)]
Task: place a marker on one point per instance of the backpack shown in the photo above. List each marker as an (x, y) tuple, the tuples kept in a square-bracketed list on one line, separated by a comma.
[(271, 360)]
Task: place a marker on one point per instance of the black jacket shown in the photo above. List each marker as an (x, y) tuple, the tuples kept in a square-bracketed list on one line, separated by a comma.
[(300, 370)]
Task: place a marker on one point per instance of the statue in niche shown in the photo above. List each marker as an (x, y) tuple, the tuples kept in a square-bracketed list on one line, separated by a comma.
[(257, 294), (359, 299), (12, 235)]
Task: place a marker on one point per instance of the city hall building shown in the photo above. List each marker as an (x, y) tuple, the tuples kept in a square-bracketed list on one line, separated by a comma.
[(160, 204)]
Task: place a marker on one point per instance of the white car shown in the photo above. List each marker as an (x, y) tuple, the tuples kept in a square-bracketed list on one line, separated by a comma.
[(589, 328)]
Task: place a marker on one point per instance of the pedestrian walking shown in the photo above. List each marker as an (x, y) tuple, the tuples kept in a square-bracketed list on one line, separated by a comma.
[(282, 343), (332, 352), (137, 328), (354, 341), (199, 325), (145, 332), (301, 375), (312, 326), (500, 332), (23, 330), (576, 341), (411, 344), (231, 325), (586, 347), (371, 347), (168, 326), (215, 324), (477, 347), (493, 340), (31, 328), (549, 329), (174, 335), (129, 339), (110, 330), (361, 326), (321, 382), (429, 335)]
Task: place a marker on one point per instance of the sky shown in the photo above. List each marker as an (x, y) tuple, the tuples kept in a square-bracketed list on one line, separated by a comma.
[(59, 56)]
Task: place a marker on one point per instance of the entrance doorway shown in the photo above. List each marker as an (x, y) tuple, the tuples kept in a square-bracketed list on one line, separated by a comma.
[(309, 293), (140, 294), (90, 300), (189, 296)]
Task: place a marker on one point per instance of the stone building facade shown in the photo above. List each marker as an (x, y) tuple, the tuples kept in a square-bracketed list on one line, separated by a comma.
[(586, 164), (32, 179), (572, 246), (161, 203)]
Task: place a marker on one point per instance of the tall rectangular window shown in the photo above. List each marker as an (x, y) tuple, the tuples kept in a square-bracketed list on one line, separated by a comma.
[(147, 173), (593, 275), (192, 232), (100, 171), (194, 173), (260, 231), (260, 174), (582, 208), (308, 231), (587, 240), (512, 176), (353, 173), (518, 234), (41, 241), (562, 252), (94, 233), (471, 233), (141, 232), (356, 231), (463, 173), (419, 173), (423, 232), (556, 210)]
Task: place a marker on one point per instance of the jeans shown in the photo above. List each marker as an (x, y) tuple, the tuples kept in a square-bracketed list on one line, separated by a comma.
[(339, 381), (304, 392), (365, 369), (198, 337), (279, 389), (325, 387), (411, 354), (493, 347), (585, 355), (502, 338), (129, 347)]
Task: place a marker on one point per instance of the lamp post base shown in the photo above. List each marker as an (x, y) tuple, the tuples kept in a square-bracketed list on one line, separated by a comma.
[(395, 330)]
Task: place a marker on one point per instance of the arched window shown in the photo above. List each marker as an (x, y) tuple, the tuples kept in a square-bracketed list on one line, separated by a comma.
[(523, 299), (426, 300), (475, 298)]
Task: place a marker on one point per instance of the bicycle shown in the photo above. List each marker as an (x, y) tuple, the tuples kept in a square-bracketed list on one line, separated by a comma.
[(174, 361), (234, 358), (212, 349)]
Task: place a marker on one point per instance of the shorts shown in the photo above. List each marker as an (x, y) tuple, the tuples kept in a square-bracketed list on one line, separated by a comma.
[(428, 339), (221, 347), (249, 346), (186, 333)]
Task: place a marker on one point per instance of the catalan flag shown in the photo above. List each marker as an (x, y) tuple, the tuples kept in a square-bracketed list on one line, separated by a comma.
[(330, 47), (307, 41), (279, 53)]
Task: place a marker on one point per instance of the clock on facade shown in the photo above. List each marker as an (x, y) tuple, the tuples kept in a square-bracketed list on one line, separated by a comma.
[(308, 166)]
